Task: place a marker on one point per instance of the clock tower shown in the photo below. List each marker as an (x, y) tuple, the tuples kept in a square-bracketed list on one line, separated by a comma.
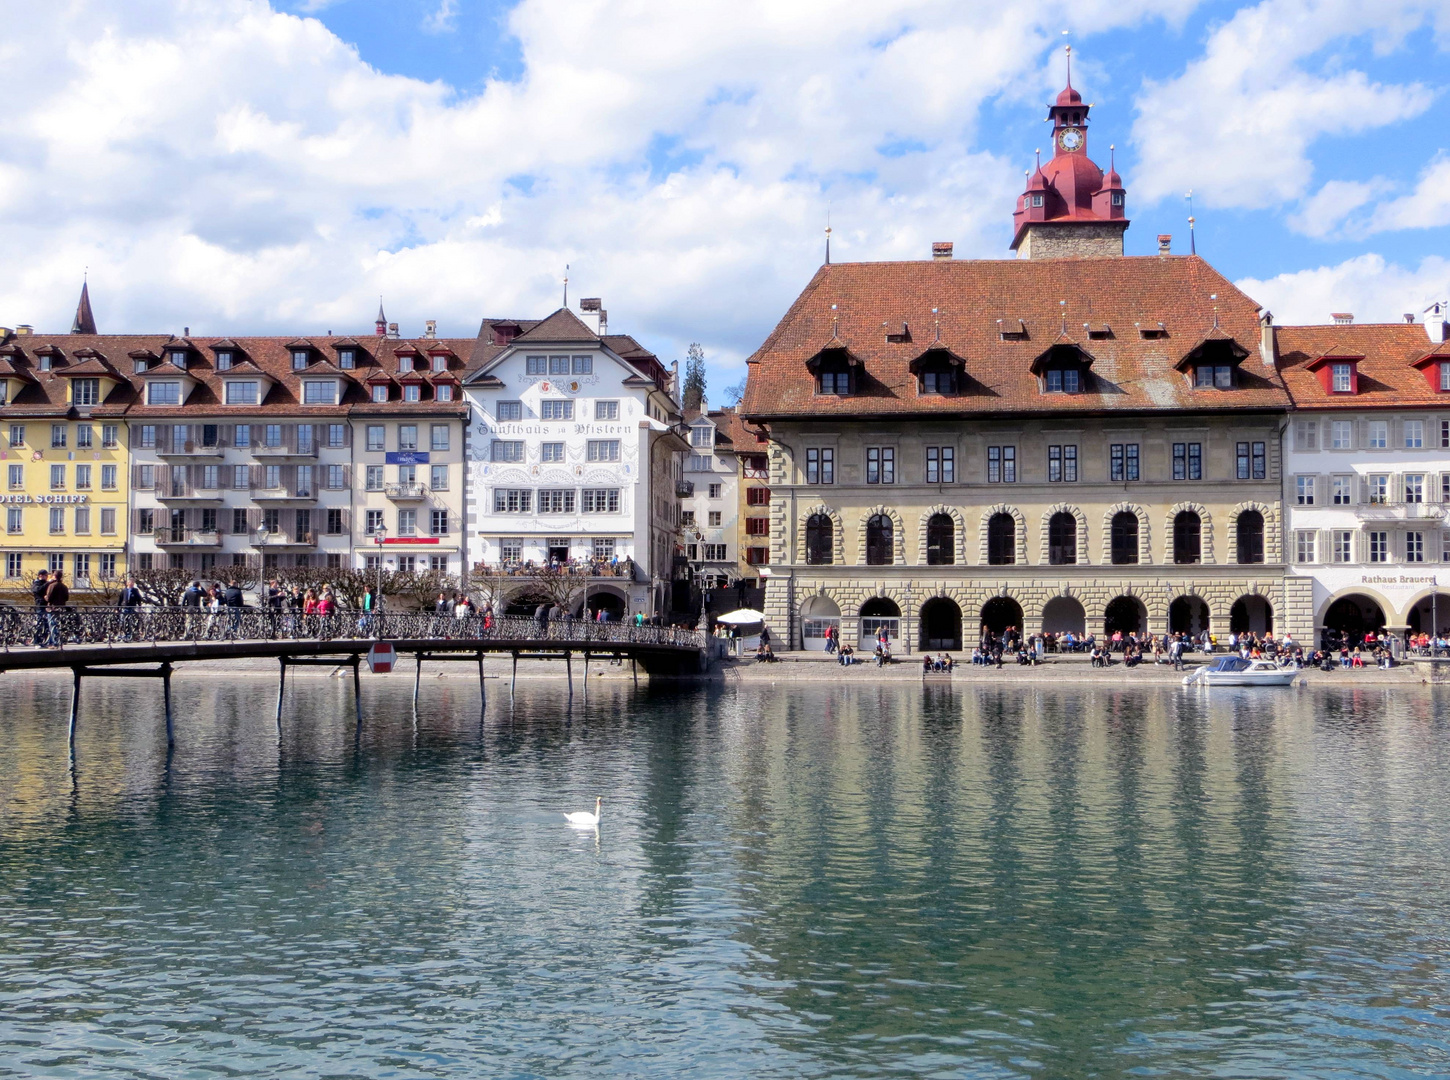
[(1070, 207)]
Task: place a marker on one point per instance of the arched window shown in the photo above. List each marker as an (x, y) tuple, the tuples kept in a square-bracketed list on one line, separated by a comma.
[(1062, 539), (1187, 538), (1251, 537), (1002, 540), (878, 540), (940, 540), (1125, 538), (820, 540)]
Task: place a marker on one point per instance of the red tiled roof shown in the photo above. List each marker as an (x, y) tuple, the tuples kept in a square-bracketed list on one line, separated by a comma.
[(1387, 352), (562, 326), (966, 298)]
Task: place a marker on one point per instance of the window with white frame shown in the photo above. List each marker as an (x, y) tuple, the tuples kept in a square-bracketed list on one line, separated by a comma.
[(1304, 543), (556, 501), (715, 489), (601, 500), (319, 392), (1414, 434), (438, 522), (1379, 488), (603, 450), (376, 433), (1379, 434), (513, 501), (1343, 540), (57, 478), (606, 410), (380, 396), (163, 393), (1304, 490), (704, 435), (713, 518), (505, 450), (556, 409), (1414, 547), (408, 522), (509, 410), (1379, 547), (1341, 435), (407, 436), (1342, 375), (438, 477), (536, 365), (439, 437), (603, 547), (1306, 434), (373, 522), (373, 478), (1341, 490), (1414, 487)]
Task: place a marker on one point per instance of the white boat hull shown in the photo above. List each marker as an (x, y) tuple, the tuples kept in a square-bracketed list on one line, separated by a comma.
[(1241, 678)]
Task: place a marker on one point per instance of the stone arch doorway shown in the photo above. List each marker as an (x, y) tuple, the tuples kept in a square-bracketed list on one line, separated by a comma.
[(999, 613), (523, 605), (941, 624), (1126, 615), (1188, 615), (1349, 618), (1251, 615), (1430, 614), (605, 600), (877, 614), (818, 614), (1064, 615)]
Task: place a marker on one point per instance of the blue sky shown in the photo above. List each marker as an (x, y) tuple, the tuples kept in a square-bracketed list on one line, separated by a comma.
[(239, 166)]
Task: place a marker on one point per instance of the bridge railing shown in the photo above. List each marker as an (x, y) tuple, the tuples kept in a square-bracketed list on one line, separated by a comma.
[(20, 628)]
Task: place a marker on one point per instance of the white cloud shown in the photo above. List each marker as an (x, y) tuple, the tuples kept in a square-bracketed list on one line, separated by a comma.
[(220, 164), (1237, 125), (1326, 210), (443, 19), (1427, 206), (1368, 286)]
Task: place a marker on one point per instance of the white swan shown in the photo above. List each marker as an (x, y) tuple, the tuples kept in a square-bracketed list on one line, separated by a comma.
[(583, 819)]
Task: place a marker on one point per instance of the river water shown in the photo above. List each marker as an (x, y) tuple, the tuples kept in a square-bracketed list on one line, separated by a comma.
[(793, 881)]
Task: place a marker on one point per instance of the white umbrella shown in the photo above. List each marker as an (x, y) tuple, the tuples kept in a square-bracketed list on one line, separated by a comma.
[(744, 617)]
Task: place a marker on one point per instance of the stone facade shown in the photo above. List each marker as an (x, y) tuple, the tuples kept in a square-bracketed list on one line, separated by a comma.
[(1071, 240)]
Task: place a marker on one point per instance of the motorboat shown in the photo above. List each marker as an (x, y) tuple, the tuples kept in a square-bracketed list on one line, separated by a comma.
[(1236, 671)]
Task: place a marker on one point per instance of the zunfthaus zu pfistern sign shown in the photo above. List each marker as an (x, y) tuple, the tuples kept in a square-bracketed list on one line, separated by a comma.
[(513, 427), (44, 498)]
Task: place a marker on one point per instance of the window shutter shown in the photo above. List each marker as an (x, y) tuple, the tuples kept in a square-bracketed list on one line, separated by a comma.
[(163, 478), (136, 477), (258, 431), (1360, 545), (347, 476), (1397, 488), (254, 519), (1326, 545), (1397, 546), (136, 520), (1321, 490), (289, 478), (1361, 434), (254, 477)]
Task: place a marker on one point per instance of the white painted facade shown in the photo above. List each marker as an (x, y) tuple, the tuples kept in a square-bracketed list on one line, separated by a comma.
[(569, 449), (1366, 496), (710, 506)]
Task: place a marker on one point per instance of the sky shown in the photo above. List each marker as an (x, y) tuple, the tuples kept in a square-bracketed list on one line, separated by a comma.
[(239, 166)]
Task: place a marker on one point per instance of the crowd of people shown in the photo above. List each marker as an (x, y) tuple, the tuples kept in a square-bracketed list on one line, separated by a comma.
[(599, 566)]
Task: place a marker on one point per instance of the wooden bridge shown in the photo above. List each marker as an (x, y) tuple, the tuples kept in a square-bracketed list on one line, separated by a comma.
[(112, 643)]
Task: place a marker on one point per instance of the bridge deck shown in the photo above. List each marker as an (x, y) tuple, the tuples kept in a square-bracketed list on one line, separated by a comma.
[(88, 639)]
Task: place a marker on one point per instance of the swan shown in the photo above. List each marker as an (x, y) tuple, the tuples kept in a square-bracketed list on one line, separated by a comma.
[(583, 819)]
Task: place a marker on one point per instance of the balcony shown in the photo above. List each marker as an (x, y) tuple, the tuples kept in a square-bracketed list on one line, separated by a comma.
[(191, 451), (684, 488), (1428, 513), (405, 492), (287, 448), (289, 495), (186, 493), (278, 540), (202, 539)]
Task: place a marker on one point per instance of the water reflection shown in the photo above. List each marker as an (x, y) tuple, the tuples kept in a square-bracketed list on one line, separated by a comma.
[(788, 881)]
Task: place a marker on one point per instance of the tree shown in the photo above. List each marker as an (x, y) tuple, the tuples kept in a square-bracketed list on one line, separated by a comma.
[(694, 377), (557, 584), (734, 393)]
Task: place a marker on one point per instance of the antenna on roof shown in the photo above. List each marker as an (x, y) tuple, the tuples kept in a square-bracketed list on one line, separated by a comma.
[(566, 284), (1192, 246), (828, 234)]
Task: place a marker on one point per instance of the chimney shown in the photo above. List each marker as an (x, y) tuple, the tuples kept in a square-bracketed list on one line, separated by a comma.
[(674, 387), (1165, 243), (392, 329), (591, 312), (186, 331), (430, 328), (1409, 316), (1342, 318), (1266, 338), (941, 249), (24, 328), (1434, 320)]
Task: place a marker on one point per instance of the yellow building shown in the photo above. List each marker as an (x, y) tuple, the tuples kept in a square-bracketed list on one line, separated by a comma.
[(63, 450)]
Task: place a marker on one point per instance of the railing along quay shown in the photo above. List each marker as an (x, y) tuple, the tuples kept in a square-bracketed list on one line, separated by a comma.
[(72, 627)]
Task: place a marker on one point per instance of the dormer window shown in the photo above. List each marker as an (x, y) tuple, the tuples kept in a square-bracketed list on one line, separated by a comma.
[(163, 393), (412, 392), (836, 382), (299, 359), (1063, 380), (440, 363), (224, 360), (939, 382), (44, 361), (380, 393), (405, 363), (1445, 375), (178, 358), (1037, 200), (1213, 376), (443, 393), (242, 392), (347, 359), (1153, 333), (319, 392), (141, 364), (1341, 378), (1117, 198)]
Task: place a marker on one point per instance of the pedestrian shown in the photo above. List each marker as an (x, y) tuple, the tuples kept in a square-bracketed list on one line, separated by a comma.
[(37, 592), (365, 620), (129, 605), (56, 598), (233, 600), (191, 601)]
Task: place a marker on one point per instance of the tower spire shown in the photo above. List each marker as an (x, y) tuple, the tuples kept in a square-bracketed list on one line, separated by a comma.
[(382, 322), (85, 321), (566, 284), (1068, 50), (828, 238)]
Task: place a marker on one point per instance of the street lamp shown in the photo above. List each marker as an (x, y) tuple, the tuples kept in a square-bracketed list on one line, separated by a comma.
[(379, 535)]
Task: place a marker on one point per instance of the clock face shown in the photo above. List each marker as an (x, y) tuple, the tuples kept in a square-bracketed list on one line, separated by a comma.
[(1069, 139)]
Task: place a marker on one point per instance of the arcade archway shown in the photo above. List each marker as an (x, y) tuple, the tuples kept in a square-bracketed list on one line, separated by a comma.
[(1126, 615), (1064, 615), (941, 624), (999, 613), (1188, 615), (878, 614), (1251, 615), (1350, 618)]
